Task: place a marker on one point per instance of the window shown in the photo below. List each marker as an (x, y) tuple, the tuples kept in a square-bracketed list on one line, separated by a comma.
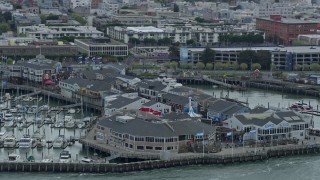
[(140, 147), (149, 148), (158, 148)]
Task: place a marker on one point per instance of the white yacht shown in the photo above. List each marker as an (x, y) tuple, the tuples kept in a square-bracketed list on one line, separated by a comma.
[(9, 142), (8, 116), (65, 157), (25, 142), (59, 142)]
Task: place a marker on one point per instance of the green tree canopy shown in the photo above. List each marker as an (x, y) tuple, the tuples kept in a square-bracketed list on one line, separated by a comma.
[(256, 66), (133, 40), (243, 66), (208, 55), (173, 65), (264, 58), (209, 66), (174, 51), (218, 65), (200, 65), (79, 18), (4, 27), (9, 61), (315, 67), (248, 57)]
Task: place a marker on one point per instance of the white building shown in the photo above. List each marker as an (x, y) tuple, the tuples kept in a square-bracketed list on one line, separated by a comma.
[(107, 8), (80, 3), (96, 47), (53, 32), (117, 103), (267, 8), (270, 126)]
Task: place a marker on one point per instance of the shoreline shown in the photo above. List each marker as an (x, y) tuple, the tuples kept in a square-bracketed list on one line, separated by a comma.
[(78, 167)]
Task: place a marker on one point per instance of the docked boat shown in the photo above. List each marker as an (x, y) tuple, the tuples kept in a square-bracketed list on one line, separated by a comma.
[(8, 116), (81, 124), (9, 142), (301, 106), (25, 142), (37, 135), (65, 157), (14, 157), (27, 99), (59, 142), (3, 135), (18, 118)]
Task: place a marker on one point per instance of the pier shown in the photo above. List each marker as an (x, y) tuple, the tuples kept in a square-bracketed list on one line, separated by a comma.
[(195, 159)]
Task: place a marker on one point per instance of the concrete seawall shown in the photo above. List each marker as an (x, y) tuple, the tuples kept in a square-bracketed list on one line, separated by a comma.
[(155, 164)]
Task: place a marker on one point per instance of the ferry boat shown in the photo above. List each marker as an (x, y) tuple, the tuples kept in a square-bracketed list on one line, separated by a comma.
[(9, 142), (65, 157), (301, 106)]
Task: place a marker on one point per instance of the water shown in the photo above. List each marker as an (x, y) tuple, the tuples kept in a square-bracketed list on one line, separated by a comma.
[(293, 168)]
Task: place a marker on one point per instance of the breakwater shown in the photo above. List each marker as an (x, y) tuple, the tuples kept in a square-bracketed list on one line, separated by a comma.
[(157, 164)]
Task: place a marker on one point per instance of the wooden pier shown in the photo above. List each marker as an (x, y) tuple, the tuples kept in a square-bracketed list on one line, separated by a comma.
[(197, 159)]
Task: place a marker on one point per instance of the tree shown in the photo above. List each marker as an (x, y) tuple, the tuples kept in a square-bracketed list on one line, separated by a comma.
[(9, 61), (298, 67), (208, 55), (264, 58), (218, 65), (248, 57), (273, 67), (52, 17), (190, 42), (209, 66), (256, 66), (165, 41), (79, 18), (243, 66), (149, 41), (175, 8), (133, 40), (4, 27), (7, 16), (200, 20), (174, 52), (235, 65), (226, 65), (174, 65), (184, 66), (190, 66), (200, 65), (315, 67)]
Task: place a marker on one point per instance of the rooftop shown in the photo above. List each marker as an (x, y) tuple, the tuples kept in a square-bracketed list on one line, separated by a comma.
[(144, 29)]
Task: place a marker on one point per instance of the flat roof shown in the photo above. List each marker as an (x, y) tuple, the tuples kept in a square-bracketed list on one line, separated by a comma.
[(91, 42), (296, 49), (144, 29), (290, 21)]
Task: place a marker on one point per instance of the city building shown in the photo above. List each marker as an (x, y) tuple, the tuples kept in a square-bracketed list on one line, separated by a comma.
[(285, 29), (309, 39), (269, 7), (138, 134), (283, 57), (38, 70), (270, 126), (54, 32), (100, 46)]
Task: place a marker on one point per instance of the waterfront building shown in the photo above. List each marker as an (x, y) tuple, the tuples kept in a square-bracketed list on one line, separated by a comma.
[(55, 32), (283, 57), (270, 126), (100, 46), (91, 92), (117, 103), (138, 134), (37, 70), (220, 110), (150, 89), (286, 29)]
